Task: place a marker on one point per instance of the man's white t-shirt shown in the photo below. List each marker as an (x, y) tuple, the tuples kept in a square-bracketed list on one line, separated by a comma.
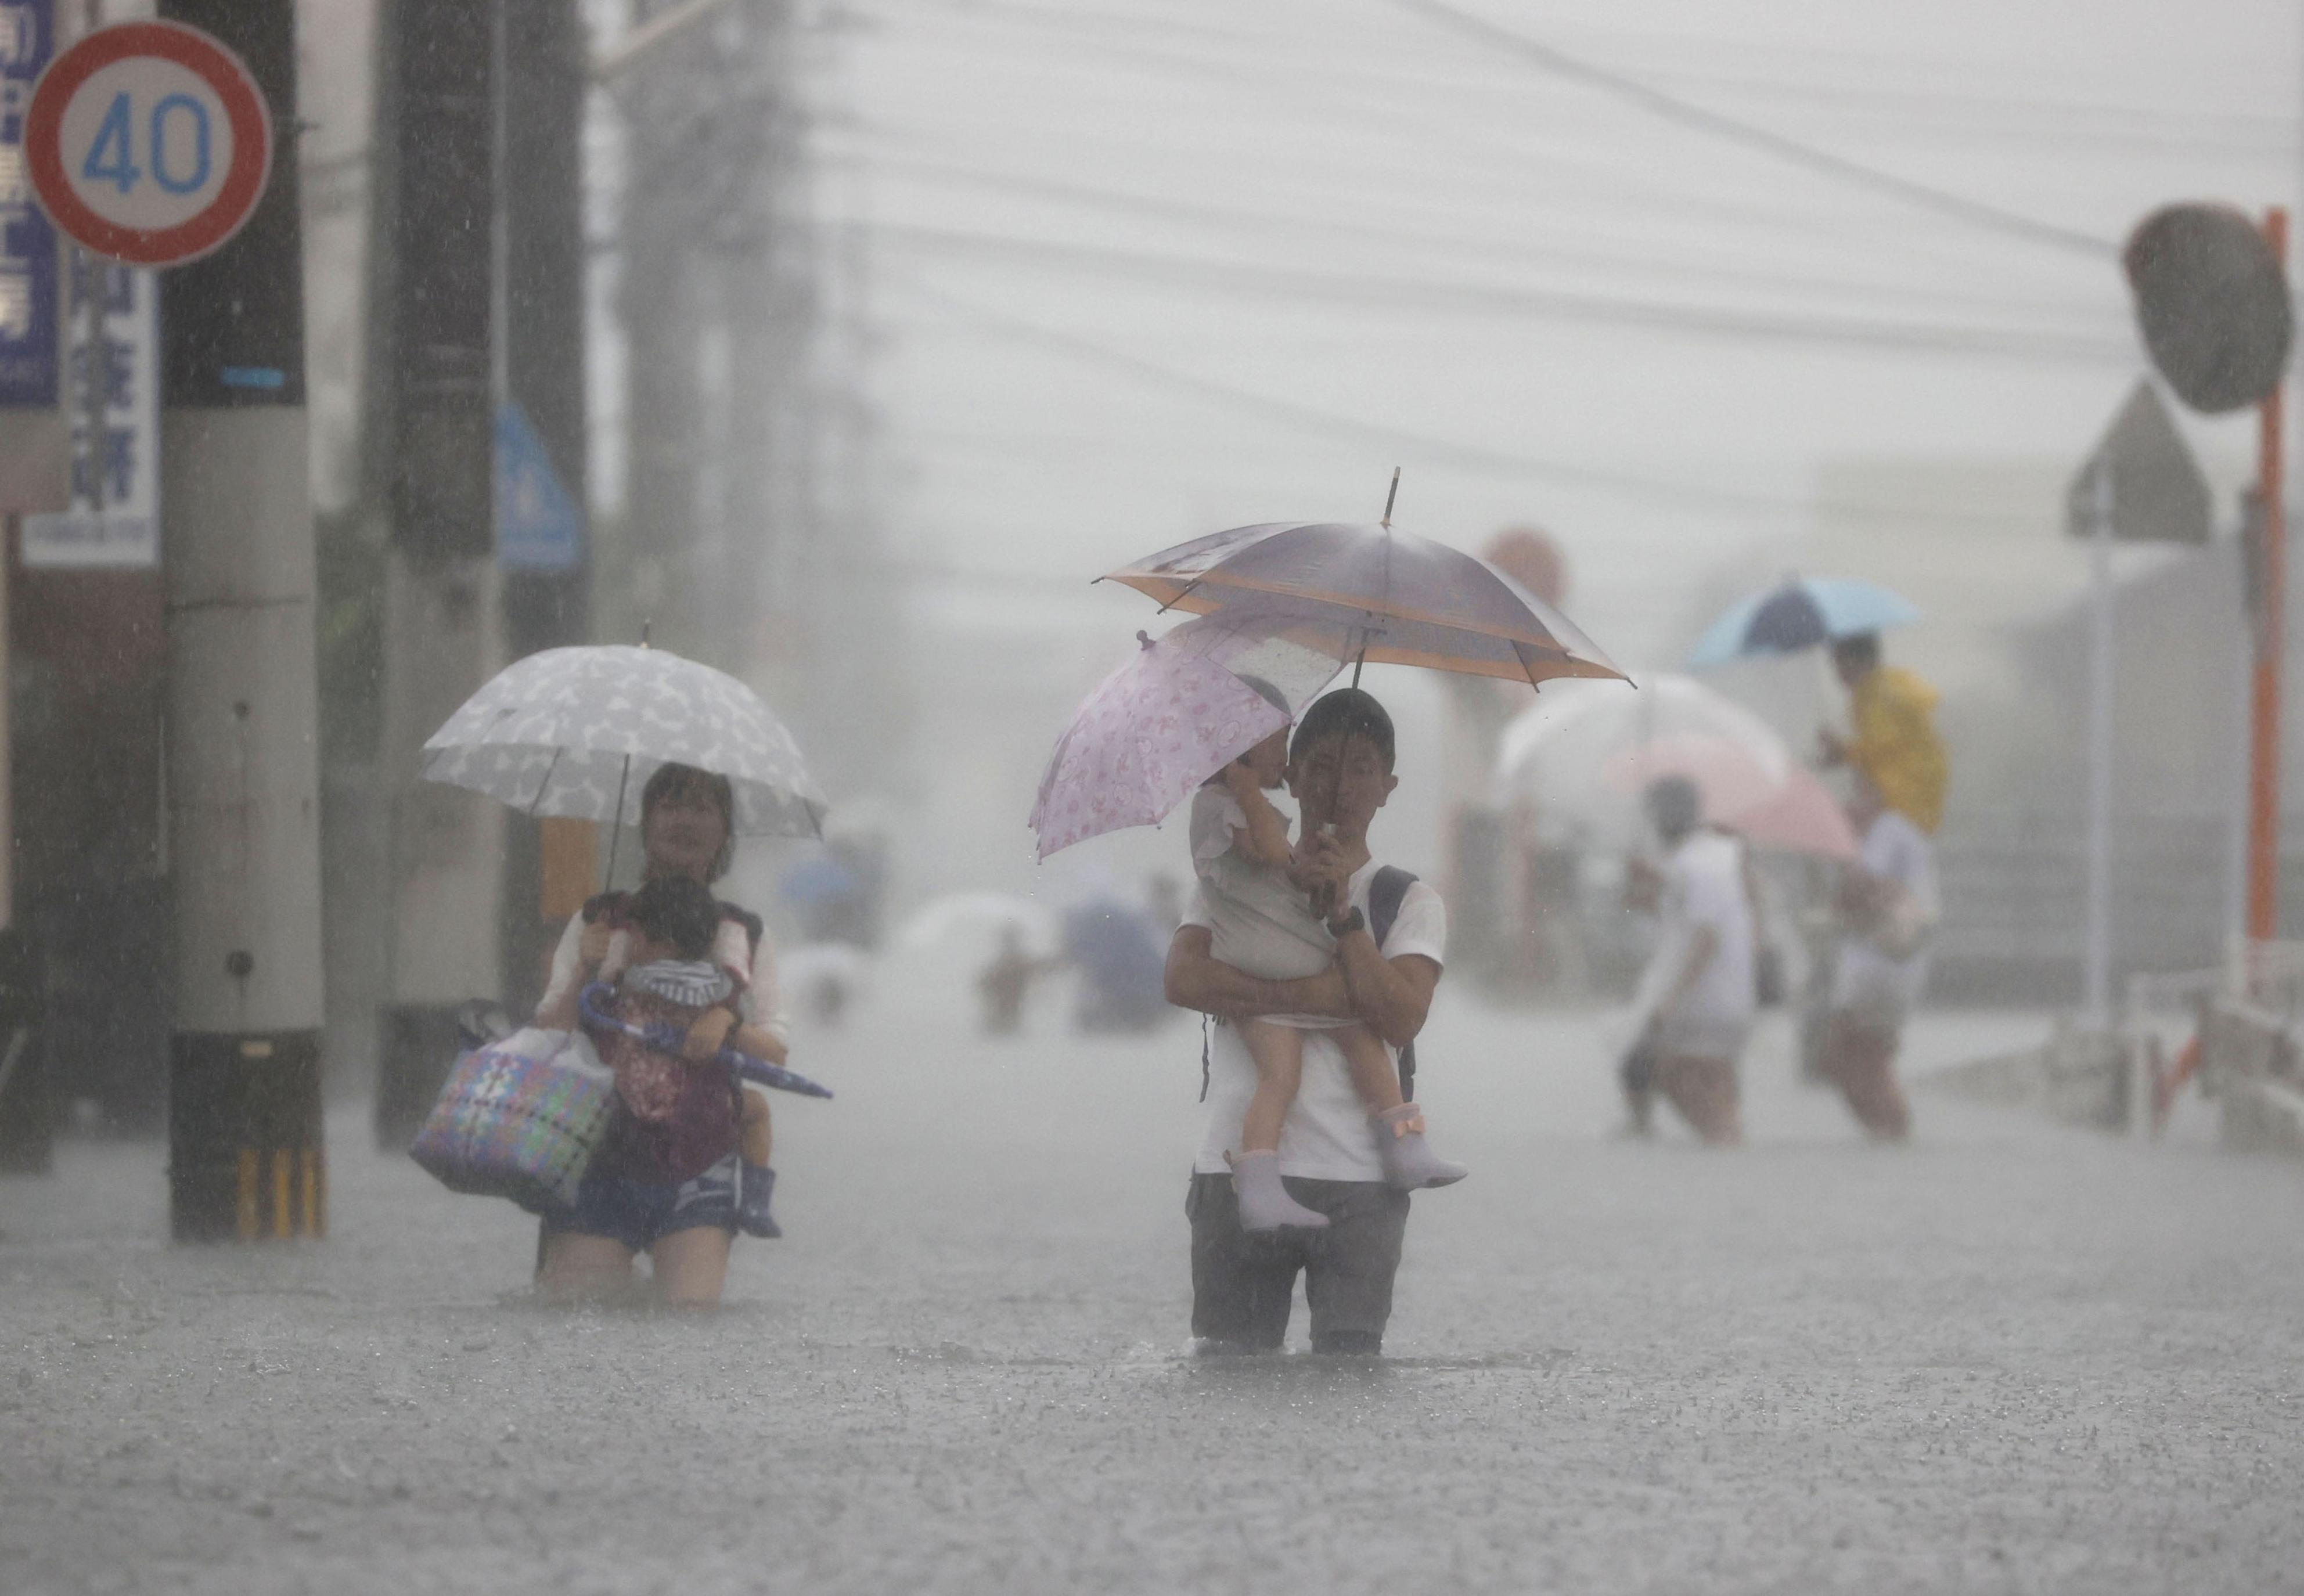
[(1703, 887), (1868, 978), (1327, 1134)]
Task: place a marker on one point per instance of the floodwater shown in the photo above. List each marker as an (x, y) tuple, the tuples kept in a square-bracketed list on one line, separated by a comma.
[(2010, 1358)]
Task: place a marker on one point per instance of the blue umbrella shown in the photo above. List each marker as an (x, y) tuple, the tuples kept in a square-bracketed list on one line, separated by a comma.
[(1804, 611), (665, 1039)]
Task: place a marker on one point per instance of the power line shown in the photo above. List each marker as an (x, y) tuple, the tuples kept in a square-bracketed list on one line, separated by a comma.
[(1768, 506), (1423, 294), (1196, 212), (2149, 127), (1314, 91), (1545, 57)]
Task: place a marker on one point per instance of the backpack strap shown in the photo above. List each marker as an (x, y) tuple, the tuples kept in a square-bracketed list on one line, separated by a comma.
[(755, 928), (1386, 893)]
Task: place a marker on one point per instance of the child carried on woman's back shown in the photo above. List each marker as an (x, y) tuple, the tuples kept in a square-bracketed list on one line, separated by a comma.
[(1262, 925), (669, 977)]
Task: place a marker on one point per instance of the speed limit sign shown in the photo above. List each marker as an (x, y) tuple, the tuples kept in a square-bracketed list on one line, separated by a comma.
[(148, 142)]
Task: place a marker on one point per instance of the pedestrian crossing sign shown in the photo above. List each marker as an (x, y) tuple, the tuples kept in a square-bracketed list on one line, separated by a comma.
[(539, 527)]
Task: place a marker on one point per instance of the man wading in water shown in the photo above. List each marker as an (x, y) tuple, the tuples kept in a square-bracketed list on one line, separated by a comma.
[(1390, 933)]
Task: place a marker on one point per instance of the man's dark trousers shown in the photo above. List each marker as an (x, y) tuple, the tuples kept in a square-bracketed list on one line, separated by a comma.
[(1243, 1286)]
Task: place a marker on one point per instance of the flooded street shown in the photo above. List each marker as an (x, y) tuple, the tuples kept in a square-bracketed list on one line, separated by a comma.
[(2009, 1357)]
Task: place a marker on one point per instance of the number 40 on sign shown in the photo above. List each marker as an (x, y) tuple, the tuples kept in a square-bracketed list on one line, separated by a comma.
[(148, 142)]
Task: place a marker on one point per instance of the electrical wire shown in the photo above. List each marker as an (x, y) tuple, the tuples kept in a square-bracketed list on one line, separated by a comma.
[(1321, 93), (1346, 428), (1202, 213), (1943, 201), (1421, 294), (1168, 37)]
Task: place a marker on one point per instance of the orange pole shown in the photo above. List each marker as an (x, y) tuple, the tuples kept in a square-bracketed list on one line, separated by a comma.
[(2264, 727)]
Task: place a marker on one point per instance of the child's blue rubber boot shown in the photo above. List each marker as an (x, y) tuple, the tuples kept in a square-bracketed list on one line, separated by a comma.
[(758, 1184)]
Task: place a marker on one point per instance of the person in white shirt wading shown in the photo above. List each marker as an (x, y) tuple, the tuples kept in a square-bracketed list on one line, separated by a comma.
[(1888, 909), (1694, 1007), (1391, 933)]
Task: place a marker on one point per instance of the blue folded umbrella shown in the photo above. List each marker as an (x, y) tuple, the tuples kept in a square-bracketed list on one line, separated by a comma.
[(1802, 613), (663, 1039)]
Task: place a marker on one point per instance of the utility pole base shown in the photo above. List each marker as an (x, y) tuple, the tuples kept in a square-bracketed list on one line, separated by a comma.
[(416, 1047), (245, 1161), (27, 1110)]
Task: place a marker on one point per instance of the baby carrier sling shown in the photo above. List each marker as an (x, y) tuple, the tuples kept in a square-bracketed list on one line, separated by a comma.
[(1386, 893)]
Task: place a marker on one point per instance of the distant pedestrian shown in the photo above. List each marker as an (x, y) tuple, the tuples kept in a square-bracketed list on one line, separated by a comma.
[(1894, 743), (1888, 906), (1006, 981), (1114, 947), (1694, 1008)]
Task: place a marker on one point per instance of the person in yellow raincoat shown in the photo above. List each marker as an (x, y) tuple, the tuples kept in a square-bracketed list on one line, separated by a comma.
[(1895, 743)]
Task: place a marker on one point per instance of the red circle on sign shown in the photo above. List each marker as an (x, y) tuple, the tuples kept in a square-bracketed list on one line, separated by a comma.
[(243, 104)]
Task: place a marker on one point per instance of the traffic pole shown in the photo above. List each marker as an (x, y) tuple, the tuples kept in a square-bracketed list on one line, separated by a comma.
[(246, 1159), (2271, 575), (431, 442), (549, 867), (2097, 942)]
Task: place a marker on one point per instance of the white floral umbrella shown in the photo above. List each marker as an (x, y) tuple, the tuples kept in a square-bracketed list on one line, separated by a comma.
[(577, 732)]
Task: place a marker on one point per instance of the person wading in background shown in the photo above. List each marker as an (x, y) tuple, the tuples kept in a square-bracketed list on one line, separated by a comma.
[(1694, 1007), (1894, 743), (1888, 908)]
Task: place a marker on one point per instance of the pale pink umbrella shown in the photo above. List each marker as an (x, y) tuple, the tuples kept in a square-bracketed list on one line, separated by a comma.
[(1179, 711), (1802, 817), (1789, 808)]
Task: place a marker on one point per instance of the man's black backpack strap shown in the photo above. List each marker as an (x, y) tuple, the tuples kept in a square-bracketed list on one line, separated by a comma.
[(1386, 894)]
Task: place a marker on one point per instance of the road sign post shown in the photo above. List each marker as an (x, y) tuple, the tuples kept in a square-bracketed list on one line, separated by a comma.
[(151, 144), (2264, 738)]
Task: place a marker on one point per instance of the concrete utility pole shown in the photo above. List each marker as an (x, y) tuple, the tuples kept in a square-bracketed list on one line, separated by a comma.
[(677, 190), (2272, 576), (35, 474), (245, 1153), (749, 523), (540, 303), (431, 476)]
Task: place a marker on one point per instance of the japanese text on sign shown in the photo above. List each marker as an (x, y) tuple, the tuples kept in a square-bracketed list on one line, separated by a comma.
[(113, 372), (27, 239)]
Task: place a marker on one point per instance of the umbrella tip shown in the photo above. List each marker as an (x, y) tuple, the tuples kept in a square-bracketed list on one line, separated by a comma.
[(645, 625), (1143, 640)]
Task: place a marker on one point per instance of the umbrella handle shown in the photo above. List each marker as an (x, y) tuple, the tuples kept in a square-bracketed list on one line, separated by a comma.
[(616, 832)]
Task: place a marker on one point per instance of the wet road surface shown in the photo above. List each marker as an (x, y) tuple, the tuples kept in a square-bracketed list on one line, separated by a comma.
[(2010, 1358)]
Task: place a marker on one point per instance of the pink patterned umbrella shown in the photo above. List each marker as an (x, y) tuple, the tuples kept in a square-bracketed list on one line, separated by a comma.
[(1177, 713)]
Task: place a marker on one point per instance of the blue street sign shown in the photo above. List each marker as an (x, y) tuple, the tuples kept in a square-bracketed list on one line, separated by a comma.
[(539, 527), (30, 315)]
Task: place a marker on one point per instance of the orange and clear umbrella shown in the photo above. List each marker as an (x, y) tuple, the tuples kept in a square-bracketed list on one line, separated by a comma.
[(1399, 599)]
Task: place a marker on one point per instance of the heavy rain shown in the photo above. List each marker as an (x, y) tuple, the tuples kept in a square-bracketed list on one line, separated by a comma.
[(991, 797)]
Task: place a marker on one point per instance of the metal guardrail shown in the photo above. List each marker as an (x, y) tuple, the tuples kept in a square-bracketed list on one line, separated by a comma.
[(2246, 1037)]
